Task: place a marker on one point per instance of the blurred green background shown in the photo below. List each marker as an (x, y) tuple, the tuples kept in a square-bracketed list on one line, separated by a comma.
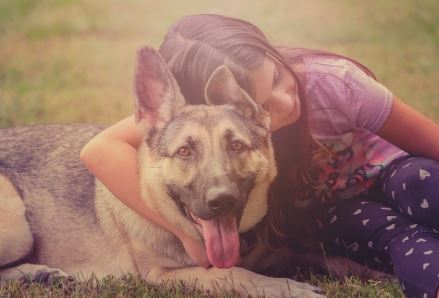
[(73, 60)]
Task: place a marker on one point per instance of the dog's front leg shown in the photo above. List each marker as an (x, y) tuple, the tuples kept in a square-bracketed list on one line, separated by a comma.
[(244, 282)]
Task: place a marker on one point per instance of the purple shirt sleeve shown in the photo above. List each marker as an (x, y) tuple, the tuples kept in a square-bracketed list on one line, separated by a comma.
[(372, 101), (343, 98)]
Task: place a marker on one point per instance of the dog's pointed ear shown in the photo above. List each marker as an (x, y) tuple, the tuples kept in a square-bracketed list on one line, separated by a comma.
[(222, 88), (157, 91)]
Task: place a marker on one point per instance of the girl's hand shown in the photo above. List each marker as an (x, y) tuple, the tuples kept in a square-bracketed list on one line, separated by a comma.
[(195, 250)]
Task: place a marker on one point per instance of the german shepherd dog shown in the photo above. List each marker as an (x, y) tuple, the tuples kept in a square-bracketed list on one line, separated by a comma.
[(205, 168)]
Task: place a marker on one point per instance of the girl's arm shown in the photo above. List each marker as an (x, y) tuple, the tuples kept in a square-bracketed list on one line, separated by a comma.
[(411, 131), (112, 157)]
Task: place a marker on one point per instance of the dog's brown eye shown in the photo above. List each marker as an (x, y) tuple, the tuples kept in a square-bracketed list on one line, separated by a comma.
[(184, 151), (237, 146)]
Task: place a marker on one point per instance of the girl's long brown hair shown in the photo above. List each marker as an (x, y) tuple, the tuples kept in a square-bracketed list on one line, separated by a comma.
[(196, 45)]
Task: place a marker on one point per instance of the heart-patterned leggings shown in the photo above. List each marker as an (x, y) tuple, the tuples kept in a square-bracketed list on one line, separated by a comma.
[(395, 228)]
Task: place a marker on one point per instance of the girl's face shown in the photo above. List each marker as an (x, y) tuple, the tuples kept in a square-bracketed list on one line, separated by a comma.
[(276, 92)]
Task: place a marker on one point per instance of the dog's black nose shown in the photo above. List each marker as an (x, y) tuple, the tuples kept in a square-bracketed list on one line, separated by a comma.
[(221, 203)]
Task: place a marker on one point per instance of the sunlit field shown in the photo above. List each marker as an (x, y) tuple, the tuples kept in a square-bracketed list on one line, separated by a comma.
[(72, 61)]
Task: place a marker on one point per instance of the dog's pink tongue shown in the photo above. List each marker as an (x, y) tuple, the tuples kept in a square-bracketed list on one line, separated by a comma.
[(221, 240)]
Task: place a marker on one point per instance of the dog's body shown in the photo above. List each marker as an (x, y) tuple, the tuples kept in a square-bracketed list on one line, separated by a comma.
[(205, 168)]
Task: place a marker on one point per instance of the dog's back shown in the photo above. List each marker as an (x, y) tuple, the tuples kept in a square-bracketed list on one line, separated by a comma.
[(42, 163)]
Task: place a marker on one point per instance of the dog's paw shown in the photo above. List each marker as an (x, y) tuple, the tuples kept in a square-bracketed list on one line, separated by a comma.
[(47, 275), (302, 289), (283, 287)]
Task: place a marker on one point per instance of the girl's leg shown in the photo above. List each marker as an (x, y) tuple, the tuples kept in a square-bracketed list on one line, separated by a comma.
[(381, 238), (411, 185)]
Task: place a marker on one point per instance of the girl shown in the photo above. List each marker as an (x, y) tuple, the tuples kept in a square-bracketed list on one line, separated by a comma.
[(350, 154)]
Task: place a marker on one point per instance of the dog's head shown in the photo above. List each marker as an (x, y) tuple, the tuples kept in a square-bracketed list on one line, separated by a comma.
[(203, 166)]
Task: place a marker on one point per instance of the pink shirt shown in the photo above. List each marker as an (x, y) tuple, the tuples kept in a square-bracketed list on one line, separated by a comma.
[(347, 108)]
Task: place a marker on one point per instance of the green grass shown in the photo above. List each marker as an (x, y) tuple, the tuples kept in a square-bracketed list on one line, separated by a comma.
[(127, 286), (72, 61), (130, 286)]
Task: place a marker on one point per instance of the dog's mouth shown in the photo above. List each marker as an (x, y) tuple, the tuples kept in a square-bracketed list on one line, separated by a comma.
[(220, 233), (221, 238)]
